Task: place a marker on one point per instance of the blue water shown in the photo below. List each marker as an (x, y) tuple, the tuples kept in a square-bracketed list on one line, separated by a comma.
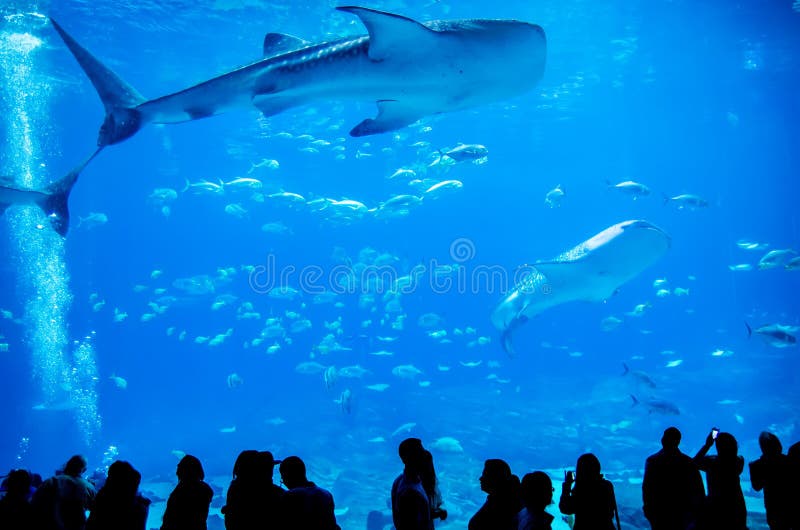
[(685, 97)]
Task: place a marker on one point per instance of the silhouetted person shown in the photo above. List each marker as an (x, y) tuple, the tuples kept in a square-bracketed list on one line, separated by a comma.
[(431, 486), (187, 506), (725, 508), (536, 492), (502, 505), (672, 490), (61, 501), (591, 499), (793, 455), (411, 508), (16, 512), (306, 505), (771, 473), (118, 506), (254, 501)]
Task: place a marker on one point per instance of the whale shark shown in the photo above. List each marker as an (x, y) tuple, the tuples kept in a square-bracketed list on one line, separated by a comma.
[(592, 271), (410, 69), (53, 199)]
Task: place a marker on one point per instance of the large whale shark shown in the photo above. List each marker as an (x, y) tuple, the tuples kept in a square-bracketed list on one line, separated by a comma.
[(410, 69), (592, 271), (53, 199)]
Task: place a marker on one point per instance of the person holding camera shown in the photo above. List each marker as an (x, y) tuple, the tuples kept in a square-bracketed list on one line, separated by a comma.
[(591, 499), (725, 507)]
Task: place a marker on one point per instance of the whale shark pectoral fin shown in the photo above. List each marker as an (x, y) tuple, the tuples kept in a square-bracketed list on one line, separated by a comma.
[(507, 335), (563, 273), (270, 104), (505, 340), (278, 43), (390, 33), (392, 115)]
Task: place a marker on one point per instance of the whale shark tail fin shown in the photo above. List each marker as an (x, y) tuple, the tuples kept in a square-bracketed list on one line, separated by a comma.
[(749, 330), (119, 98), (56, 205)]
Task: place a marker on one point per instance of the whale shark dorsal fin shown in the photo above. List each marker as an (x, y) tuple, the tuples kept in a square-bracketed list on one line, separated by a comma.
[(389, 33), (392, 115), (278, 43)]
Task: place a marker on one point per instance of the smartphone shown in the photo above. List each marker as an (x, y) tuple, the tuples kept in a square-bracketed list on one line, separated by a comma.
[(714, 433), (570, 476)]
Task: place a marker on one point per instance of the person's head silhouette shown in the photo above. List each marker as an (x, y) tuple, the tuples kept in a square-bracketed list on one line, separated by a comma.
[(587, 468), (770, 444), (412, 454), (293, 472), (727, 447), (190, 469), (496, 475), (75, 466), (537, 490), (671, 438)]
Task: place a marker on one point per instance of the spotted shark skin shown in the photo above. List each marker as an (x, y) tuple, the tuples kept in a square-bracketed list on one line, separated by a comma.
[(591, 271), (410, 69)]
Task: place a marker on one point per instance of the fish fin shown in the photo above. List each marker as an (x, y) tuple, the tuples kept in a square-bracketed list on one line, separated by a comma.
[(392, 115), (270, 105), (559, 273), (280, 43), (749, 330), (507, 335), (56, 206), (506, 341), (389, 33), (625, 368), (119, 99), (635, 401)]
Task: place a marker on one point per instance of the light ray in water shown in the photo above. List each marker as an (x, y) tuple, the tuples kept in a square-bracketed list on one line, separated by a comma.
[(43, 279)]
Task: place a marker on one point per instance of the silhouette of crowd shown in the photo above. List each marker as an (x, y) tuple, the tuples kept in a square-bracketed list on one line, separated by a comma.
[(673, 493)]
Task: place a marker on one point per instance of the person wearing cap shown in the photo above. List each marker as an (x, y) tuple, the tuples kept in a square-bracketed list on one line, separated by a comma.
[(187, 506), (254, 501), (411, 508), (306, 505)]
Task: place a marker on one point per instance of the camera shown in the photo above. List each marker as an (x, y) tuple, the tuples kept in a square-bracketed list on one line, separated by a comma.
[(438, 513), (714, 433)]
